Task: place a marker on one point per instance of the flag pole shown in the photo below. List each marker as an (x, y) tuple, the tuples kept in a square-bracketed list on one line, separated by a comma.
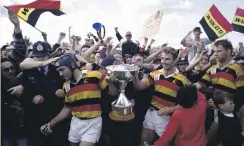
[(24, 20)]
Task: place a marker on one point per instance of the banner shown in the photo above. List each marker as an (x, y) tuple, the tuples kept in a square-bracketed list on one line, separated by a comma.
[(31, 12), (152, 25), (215, 24), (238, 21)]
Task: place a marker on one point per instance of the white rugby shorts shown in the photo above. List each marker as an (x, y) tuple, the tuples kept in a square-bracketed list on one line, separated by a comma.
[(85, 130), (155, 122)]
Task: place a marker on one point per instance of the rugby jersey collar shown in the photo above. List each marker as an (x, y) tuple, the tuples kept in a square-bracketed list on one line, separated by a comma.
[(168, 76), (84, 72), (232, 61)]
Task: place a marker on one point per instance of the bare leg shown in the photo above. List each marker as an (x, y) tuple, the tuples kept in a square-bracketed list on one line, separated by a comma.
[(147, 136), (84, 143)]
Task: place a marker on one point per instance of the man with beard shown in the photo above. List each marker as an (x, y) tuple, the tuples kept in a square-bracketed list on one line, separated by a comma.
[(165, 82)]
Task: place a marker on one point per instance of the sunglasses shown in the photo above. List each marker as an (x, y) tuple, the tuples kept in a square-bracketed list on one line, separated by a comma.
[(129, 35), (8, 69)]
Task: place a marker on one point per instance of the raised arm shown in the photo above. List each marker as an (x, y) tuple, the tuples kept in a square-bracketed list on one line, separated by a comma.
[(30, 63), (92, 49), (182, 42), (118, 35), (44, 35), (154, 55), (19, 51)]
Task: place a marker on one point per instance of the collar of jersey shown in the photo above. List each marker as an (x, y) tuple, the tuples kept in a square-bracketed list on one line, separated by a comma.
[(80, 77), (175, 73), (232, 61)]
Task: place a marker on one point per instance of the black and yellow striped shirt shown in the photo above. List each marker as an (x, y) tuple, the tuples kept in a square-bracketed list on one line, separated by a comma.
[(227, 79), (165, 88), (84, 97)]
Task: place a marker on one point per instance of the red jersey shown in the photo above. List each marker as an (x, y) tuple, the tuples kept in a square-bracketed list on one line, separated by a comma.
[(187, 125)]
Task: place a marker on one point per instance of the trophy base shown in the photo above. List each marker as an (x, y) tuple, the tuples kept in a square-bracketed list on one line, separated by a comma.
[(121, 118), (122, 114)]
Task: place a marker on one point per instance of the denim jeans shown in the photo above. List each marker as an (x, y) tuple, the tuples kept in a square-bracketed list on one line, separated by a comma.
[(10, 142)]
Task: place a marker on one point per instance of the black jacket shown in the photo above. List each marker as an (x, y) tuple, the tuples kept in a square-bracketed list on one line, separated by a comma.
[(35, 83), (128, 47), (12, 110)]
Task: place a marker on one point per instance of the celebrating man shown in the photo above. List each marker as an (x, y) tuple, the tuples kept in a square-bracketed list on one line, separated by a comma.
[(166, 82)]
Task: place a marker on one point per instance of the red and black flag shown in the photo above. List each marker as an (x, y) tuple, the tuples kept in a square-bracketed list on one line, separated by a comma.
[(32, 11), (238, 21), (215, 24)]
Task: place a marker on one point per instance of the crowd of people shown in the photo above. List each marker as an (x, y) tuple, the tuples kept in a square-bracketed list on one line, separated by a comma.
[(61, 94)]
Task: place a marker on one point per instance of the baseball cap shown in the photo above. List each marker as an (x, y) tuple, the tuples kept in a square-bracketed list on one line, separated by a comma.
[(108, 60), (128, 33), (197, 29), (41, 49)]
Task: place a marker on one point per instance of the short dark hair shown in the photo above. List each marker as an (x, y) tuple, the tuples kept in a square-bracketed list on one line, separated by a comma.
[(171, 51), (187, 96), (138, 54), (221, 97), (225, 43)]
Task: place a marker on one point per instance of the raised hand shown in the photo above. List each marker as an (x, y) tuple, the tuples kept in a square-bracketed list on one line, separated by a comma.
[(152, 41), (13, 18), (62, 35), (44, 35), (108, 40)]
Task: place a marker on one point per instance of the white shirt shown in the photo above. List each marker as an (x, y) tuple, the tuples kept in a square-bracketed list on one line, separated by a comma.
[(193, 48)]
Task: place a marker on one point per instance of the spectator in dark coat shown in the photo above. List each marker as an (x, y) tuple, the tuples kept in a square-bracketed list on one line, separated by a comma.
[(128, 47), (13, 129)]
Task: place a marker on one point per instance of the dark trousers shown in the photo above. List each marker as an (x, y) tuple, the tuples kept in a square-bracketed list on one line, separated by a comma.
[(59, 136), (122, 133)]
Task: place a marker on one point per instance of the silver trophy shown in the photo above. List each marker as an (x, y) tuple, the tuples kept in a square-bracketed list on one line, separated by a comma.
[(122, 107)]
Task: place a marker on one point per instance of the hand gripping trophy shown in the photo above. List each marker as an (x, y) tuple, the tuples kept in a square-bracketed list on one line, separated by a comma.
[(122, 108)]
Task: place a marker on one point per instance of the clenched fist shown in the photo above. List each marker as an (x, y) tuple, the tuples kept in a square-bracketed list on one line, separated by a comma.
[(60, 93), (38, 99)]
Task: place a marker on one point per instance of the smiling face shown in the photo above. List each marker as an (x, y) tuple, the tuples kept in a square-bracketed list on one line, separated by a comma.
[(167, 61), (204, 60)]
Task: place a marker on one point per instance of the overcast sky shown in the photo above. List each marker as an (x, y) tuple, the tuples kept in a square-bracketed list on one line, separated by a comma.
[(180, 16)]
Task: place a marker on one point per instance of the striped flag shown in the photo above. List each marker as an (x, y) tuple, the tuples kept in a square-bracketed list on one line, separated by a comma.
[(215, 24), (32, 11), (238, 21)]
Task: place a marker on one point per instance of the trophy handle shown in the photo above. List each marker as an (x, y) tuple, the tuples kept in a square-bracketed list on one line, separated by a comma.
[(99, 32)]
